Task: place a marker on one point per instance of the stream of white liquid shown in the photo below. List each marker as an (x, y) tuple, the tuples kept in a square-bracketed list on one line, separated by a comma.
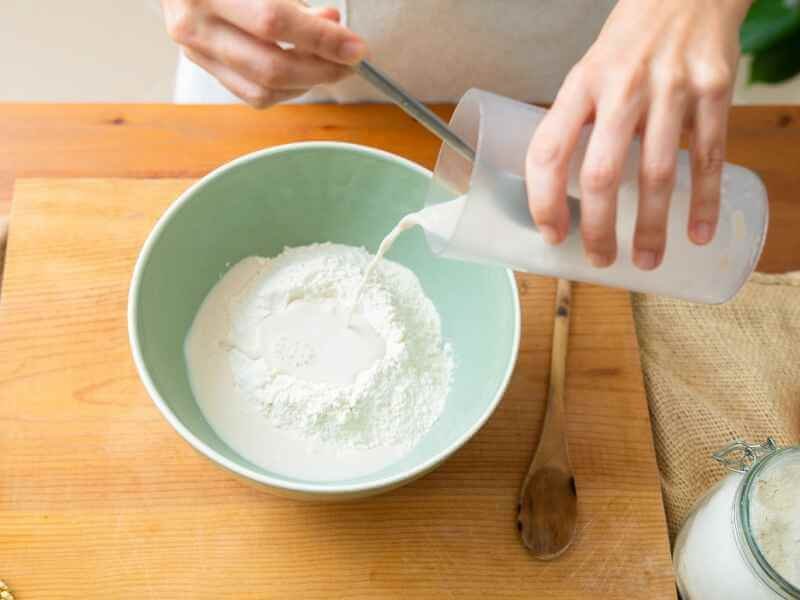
[(405, 224), (438, 219)]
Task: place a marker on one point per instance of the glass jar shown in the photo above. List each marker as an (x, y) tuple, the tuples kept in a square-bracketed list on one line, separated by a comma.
[(742, 539)]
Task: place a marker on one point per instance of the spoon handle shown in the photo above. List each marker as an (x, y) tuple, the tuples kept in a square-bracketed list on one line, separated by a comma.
[(558, 357), (426, 117), (552, 448), (547, 512)]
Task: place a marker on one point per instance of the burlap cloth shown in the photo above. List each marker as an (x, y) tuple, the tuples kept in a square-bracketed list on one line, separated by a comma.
[(717, 373)]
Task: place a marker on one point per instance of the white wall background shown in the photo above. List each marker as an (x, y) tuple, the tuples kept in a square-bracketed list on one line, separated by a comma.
[(85, 50), (117, 51)]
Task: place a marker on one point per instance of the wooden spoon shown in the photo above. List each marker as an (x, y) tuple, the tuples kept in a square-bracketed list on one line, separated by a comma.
[(548, 501)]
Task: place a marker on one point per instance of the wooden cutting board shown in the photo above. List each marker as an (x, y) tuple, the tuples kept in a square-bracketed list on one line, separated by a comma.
[(99, 498)]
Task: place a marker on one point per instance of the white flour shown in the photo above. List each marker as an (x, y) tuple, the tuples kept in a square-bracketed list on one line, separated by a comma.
[(775, 519), (338, 413)]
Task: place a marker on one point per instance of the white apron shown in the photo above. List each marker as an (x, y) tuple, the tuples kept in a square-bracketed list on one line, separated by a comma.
[(438, 49)]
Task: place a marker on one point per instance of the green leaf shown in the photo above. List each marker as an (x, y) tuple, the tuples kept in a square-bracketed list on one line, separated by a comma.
[(777, 63), (769, 22)]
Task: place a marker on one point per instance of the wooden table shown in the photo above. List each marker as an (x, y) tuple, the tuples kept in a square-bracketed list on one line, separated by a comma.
[(100, 499), (91, 140)]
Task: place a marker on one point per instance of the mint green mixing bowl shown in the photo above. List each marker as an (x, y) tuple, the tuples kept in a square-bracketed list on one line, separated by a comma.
[(294, 195)]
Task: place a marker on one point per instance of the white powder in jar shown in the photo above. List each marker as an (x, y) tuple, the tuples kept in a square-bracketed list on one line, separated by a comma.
[(708, 560), (775, 518)]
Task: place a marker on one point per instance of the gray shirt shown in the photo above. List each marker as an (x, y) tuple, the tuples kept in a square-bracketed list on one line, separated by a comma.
[(438, 49)]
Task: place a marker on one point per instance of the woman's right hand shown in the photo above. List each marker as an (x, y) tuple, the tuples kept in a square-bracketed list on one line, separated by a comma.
[(237, 42)]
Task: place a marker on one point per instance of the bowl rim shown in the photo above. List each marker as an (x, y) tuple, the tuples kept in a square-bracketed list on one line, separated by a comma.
[(310, 487)]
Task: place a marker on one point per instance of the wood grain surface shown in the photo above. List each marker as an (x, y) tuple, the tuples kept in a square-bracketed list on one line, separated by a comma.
[(99, 498), (103, 140)]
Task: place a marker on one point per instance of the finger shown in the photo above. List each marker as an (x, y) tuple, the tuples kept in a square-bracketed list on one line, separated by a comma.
[(548, 157), (325, 12), (267, 64), (660, 142), (252, 93), (600, 177), (707, 150), (287, 21)]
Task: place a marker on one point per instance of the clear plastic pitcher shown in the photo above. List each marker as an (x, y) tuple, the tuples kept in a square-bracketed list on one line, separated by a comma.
[(479, 212)]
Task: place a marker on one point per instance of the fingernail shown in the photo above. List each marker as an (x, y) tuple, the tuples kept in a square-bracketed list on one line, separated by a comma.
[(352, 51), (599, 260), (549, 234), (701, 233), (645, 259)]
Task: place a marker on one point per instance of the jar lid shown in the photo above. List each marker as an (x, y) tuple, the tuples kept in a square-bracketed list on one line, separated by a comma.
[(767, 515)]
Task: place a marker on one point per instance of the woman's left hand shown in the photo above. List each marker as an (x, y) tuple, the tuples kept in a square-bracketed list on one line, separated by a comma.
[(658, 67)]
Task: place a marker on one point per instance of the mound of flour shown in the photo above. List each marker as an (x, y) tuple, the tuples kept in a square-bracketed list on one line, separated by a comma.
[(393, 402), (775, 519)]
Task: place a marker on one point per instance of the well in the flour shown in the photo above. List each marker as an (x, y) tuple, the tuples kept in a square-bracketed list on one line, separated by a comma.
[(299, 380)]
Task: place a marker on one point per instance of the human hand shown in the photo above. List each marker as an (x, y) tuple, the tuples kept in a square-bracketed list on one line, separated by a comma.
[(657, 67), (237, 42)]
